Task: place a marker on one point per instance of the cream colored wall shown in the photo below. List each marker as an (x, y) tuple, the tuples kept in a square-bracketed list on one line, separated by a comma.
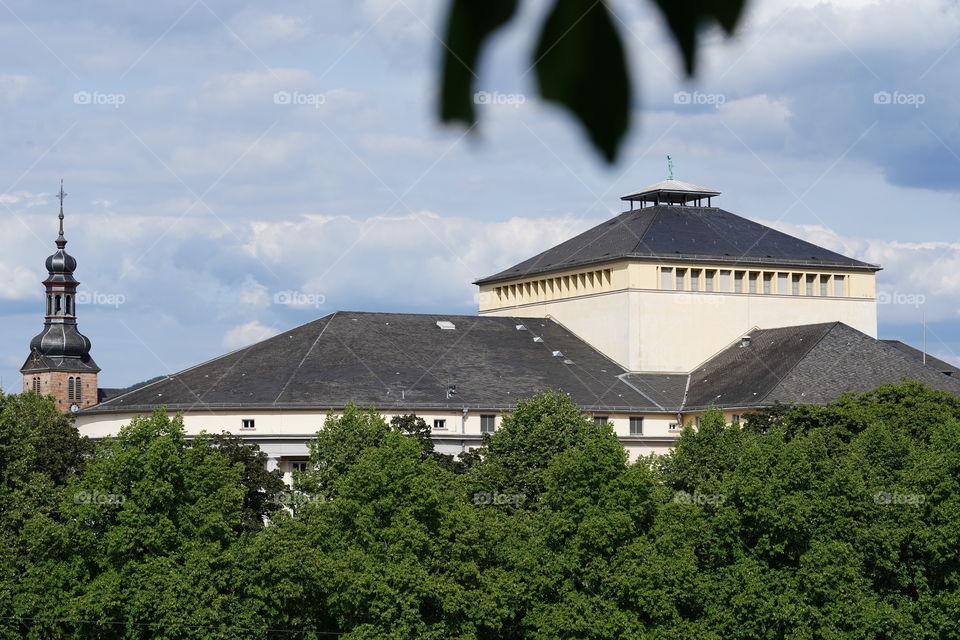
[(644, 328), (283, 435)]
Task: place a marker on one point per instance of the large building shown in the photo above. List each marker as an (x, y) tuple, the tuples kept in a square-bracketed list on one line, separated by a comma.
[(645, 321)]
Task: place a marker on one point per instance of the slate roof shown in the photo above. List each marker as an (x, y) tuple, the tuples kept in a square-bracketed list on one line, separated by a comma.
[(917, 354), (395, 360), (675, 233), (398, 361), (811, 364)]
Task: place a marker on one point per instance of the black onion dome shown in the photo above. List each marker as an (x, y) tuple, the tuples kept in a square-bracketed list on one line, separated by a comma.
[(61, 263), (61, 340)]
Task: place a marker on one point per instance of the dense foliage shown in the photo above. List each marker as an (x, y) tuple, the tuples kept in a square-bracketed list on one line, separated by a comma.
[(806, 522)]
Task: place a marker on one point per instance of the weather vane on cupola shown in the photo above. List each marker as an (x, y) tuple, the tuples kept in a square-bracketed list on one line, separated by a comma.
[(669, 169), (61, 241)]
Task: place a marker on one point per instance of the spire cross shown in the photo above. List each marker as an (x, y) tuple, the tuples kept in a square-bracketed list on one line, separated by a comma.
[(60, 196)]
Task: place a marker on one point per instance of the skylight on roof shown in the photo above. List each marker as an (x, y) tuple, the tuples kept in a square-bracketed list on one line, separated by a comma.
[(446, 325)]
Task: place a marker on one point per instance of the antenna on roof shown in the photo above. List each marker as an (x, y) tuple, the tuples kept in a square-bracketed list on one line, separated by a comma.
[(669, 167)]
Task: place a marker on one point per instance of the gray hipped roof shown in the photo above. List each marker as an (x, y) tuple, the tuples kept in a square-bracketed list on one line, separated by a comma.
[(406, 362), (674, 233)]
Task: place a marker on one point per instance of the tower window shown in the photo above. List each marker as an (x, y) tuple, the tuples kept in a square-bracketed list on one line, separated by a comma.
[(666, 278), (724, 280), (636, 425), (56, 304), (49, 305), (73, 389), (36, 384), (838, 286), (69, 304)]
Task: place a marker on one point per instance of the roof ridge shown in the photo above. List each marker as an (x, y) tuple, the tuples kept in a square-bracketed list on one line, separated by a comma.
[(653, 218)]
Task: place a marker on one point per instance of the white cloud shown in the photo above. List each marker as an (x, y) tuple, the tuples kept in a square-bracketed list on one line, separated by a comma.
[(247, 334), (258, 29)]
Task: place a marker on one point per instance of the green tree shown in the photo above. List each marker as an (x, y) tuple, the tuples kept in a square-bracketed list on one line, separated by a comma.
[(260, 486)]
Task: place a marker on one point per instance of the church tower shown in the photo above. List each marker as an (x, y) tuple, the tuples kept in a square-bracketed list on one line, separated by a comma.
[(59, 363)]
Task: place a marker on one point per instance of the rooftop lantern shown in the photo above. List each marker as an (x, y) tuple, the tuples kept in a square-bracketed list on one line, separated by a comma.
[(672, 192)]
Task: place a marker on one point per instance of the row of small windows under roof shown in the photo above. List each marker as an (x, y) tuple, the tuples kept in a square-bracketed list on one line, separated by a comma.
[(548, 288), (745, 281)]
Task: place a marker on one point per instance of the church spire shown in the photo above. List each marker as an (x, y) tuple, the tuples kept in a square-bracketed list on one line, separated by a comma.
[(61, 241), (59, 363)]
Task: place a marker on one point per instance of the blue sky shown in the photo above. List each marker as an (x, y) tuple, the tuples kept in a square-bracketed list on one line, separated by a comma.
[(223, 158)]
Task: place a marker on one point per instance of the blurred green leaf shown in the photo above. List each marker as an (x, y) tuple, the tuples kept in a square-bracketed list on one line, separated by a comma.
[(686, 17), (469, 24), (580, 65)]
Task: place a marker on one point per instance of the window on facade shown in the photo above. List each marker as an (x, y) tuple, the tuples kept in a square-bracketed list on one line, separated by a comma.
[(681, 276), (783, 283), (694, 279), (754, 276), (768, 283), (810, 281), (636, 425), (439, 423), (36, 384), (488, 424), (736, 418), (600, 420), (299, 465), (696, 422), (795, 286), (673, 426), (247, 423), (708, 280), (824, 285), (738, 282), (666, 278), (724, 280), (838, 286)]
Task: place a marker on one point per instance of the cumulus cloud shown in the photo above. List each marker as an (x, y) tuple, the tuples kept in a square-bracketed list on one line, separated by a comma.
[(247, 334)]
